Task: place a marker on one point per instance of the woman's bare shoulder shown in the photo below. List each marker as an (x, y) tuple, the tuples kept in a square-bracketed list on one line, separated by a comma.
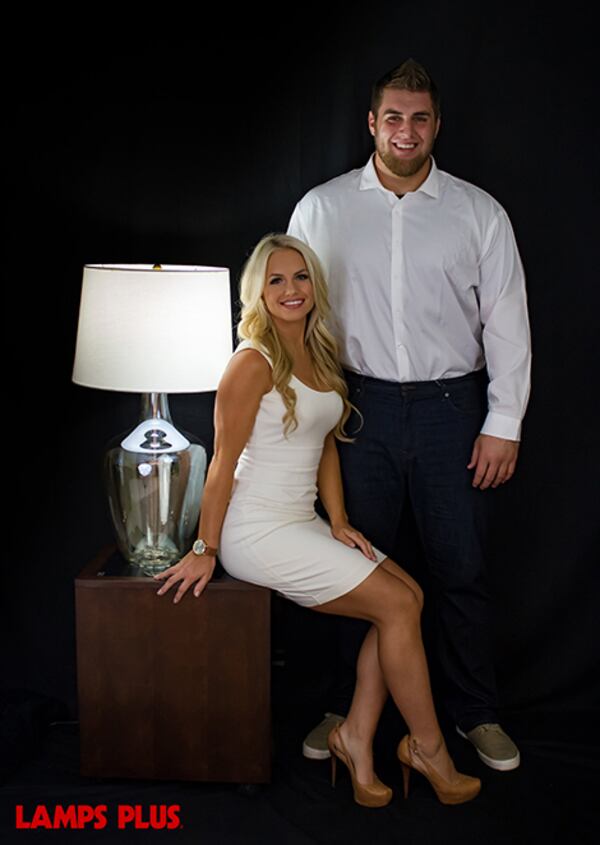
[(247, 371)]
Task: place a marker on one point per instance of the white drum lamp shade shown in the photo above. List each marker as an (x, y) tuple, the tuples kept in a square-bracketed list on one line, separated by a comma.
[(145, 330)]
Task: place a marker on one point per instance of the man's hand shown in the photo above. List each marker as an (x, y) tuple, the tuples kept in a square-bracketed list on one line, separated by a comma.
[(494, 460)]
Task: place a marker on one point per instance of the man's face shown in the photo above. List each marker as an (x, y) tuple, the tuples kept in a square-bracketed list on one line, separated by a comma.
[(405, 130)]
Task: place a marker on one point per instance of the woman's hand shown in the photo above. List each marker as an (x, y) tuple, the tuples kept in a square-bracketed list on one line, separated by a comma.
[(349, 536), (191, 569)]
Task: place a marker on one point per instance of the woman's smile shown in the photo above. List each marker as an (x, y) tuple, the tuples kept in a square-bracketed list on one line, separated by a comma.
[(288, 292)]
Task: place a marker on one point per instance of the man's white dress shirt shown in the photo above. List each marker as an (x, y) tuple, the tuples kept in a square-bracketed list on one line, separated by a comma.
[(425, 287)]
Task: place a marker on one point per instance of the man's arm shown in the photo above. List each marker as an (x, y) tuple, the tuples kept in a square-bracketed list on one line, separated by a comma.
[(297, 225), (507, 347)]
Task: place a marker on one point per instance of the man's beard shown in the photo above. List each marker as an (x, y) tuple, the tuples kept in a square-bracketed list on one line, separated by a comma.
[(403, 168)]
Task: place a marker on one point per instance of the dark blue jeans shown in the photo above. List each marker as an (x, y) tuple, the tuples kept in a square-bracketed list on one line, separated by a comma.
[(413, 448)]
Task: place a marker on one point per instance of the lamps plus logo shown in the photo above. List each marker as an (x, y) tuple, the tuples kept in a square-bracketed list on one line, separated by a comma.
[(98, 817)]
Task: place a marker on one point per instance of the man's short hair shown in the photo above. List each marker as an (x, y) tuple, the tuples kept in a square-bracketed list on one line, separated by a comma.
[(409, 76)]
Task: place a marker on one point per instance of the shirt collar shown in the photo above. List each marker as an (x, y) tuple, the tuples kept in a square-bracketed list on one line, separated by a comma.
[(369, 180)]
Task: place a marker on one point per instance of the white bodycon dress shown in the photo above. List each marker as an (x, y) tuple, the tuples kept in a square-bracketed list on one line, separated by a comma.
[(271, 534)]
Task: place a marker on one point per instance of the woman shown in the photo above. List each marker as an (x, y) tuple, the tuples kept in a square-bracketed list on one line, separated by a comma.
[(280, 405)]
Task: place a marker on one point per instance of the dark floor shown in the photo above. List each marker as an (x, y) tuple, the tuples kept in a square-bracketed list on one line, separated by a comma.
[(551, 798)]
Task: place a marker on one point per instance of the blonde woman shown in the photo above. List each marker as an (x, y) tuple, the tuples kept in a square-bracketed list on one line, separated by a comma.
[(280, 406)]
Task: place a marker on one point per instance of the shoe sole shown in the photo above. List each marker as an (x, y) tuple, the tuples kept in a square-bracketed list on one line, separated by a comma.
[(499, 765), (315, 753), (322, 753)]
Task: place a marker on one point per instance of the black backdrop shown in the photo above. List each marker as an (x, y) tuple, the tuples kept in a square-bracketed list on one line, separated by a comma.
[(185, 144)]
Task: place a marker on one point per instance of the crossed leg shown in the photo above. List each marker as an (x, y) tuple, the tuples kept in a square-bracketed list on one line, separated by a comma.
[(391, 659)]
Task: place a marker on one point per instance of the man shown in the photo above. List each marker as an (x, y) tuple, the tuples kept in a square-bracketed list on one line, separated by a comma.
[(427, 293)]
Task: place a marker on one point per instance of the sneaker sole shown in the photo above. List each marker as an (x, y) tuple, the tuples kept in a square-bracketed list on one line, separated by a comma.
[(499, 765), (315, 753)]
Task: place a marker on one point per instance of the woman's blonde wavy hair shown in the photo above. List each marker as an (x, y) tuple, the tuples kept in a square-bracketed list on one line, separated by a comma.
[(256, 325)]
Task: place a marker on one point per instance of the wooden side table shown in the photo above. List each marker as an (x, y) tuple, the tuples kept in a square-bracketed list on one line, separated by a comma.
[(172, 691)]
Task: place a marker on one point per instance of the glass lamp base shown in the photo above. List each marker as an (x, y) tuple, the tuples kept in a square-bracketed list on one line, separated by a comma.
[(155, 479), (152, 560)]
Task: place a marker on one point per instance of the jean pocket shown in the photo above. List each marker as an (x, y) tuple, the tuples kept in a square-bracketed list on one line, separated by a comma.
[(355, 421), (466, 398)]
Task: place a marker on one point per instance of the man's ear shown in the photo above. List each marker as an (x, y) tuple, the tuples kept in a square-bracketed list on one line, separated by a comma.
[(437, 128), (371, 120)]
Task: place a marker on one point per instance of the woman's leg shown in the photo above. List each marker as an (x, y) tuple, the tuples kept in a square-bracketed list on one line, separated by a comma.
[(370, 694), (371, 691), (392, 601), (394, 569)]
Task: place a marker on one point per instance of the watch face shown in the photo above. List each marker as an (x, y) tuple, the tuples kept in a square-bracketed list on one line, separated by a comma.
[(199, 547)]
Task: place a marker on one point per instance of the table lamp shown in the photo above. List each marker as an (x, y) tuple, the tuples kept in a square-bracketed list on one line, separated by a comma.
[(154, 330)]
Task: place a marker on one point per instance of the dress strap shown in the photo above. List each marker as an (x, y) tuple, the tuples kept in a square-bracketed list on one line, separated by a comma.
[(247, 344)]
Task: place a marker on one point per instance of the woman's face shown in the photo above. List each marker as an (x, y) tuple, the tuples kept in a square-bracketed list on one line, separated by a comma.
[(288, 291)]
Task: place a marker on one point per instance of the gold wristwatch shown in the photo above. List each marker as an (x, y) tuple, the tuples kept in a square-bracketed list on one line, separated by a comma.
[(200, 548)]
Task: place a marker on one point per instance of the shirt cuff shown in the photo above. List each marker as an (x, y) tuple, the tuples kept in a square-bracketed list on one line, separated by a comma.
[(497, 425)]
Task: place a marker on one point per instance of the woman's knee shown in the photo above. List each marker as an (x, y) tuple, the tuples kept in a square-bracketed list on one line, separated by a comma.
[(419, 594), (394, 569), (403, 603)]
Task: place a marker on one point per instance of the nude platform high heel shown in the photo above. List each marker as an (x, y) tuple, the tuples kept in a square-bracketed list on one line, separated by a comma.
[(375, 794), (464, 788)]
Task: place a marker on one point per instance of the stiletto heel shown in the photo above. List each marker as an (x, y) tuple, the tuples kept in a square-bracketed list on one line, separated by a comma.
[(464, 788), (405, 778), (375, 794)]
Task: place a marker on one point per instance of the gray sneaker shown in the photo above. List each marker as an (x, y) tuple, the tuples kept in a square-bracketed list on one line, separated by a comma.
[(494, 747), (315, 744)]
